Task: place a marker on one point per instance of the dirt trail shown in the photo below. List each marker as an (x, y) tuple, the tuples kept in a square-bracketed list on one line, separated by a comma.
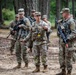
[(7, 62)]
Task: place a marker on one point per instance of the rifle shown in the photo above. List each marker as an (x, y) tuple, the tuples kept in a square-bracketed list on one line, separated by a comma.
[(8, 35), (16, 27), (11, 33), (61, 32)]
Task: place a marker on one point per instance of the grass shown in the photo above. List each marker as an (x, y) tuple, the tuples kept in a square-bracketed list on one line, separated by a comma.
[(6, 22)]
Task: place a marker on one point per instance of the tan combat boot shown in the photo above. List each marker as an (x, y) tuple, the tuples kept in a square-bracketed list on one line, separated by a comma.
[(45, 69), (18, 66), (69, 72), (37, 69), (62, 73), (26, 65)]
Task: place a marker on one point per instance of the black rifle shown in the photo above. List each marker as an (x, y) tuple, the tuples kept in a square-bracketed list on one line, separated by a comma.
[(16, 27)]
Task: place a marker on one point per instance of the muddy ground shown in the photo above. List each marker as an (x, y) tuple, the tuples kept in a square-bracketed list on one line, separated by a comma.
[(7, 61)]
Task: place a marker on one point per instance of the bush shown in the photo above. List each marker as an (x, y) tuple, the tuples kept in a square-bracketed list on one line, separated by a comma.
[(7, 14)]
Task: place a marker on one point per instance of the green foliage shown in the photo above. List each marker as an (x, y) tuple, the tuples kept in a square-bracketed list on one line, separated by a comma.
[(7, 22), (8, 4), (53, 7), (52, 20), (8, 14)]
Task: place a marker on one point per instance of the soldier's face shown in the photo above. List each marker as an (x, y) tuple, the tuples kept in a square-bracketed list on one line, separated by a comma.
[(64, 15), (38, 18), (21, 16), (17, 18), (33, 14), (45, 19)]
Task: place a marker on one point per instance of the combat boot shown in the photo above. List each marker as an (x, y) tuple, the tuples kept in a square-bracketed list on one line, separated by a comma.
[(69, 72), (26, 65), (11, 52), (45, 69), (31, 50), (37, 69), (18, 66), (62, 73)]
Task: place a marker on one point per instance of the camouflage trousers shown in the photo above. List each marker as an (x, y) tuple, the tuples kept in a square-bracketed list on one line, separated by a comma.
[(65, 57), (30, 44), (40, 50), (21, 52), (74, 53), (12, 45)]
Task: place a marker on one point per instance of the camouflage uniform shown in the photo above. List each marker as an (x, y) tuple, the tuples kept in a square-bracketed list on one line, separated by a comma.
[(39, 45), (31, 19), (21, 47), (12, 24), (30, 41), (65, 54), (49, 25), (39, 42)]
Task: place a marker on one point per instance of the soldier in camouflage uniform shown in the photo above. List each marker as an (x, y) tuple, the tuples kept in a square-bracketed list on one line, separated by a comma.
[(21, 47), (65, 54), (12, 24), (32, 16), (32, 19), (39, 39), (45, 19)]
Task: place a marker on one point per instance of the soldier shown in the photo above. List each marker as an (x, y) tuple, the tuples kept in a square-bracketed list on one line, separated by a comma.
[(49, 24), (32, 19), (65, 55), (21, 47), (39, 39), (12, 24), (32, 16)]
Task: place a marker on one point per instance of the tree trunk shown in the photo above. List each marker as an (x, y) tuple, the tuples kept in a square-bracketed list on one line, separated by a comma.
[(67, 3), (73, 9), (44, 7), (58, 9), (1, 19), (39, 5)]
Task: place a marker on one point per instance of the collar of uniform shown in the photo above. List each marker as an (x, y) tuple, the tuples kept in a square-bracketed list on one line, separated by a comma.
[(67, 18), (39, 22), (23, 18)]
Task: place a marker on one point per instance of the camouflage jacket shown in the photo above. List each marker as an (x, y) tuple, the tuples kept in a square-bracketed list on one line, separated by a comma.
[(38, 33), (69, 28), (23, 31), (12, 24)]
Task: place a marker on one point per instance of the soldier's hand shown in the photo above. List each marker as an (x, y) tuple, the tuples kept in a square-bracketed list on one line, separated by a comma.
[(20, 26), (22, 40), (66, 45), (45, 27)]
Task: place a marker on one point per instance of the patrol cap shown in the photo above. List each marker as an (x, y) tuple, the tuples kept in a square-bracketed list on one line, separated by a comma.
[(44, 16), (16, 15), (38, 13), (21, 10), (20, 13), (65, 10), (33, 10)]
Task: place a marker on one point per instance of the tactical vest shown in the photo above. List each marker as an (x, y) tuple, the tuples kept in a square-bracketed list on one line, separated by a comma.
[(22, 32), (38, 33), (31, 20)]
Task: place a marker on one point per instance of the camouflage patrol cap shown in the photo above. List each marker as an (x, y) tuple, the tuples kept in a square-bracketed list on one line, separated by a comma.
[(44, 16), (65, 10), (17, 15), (20, 13), (21, 10), (33, 10), (38, 13)]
